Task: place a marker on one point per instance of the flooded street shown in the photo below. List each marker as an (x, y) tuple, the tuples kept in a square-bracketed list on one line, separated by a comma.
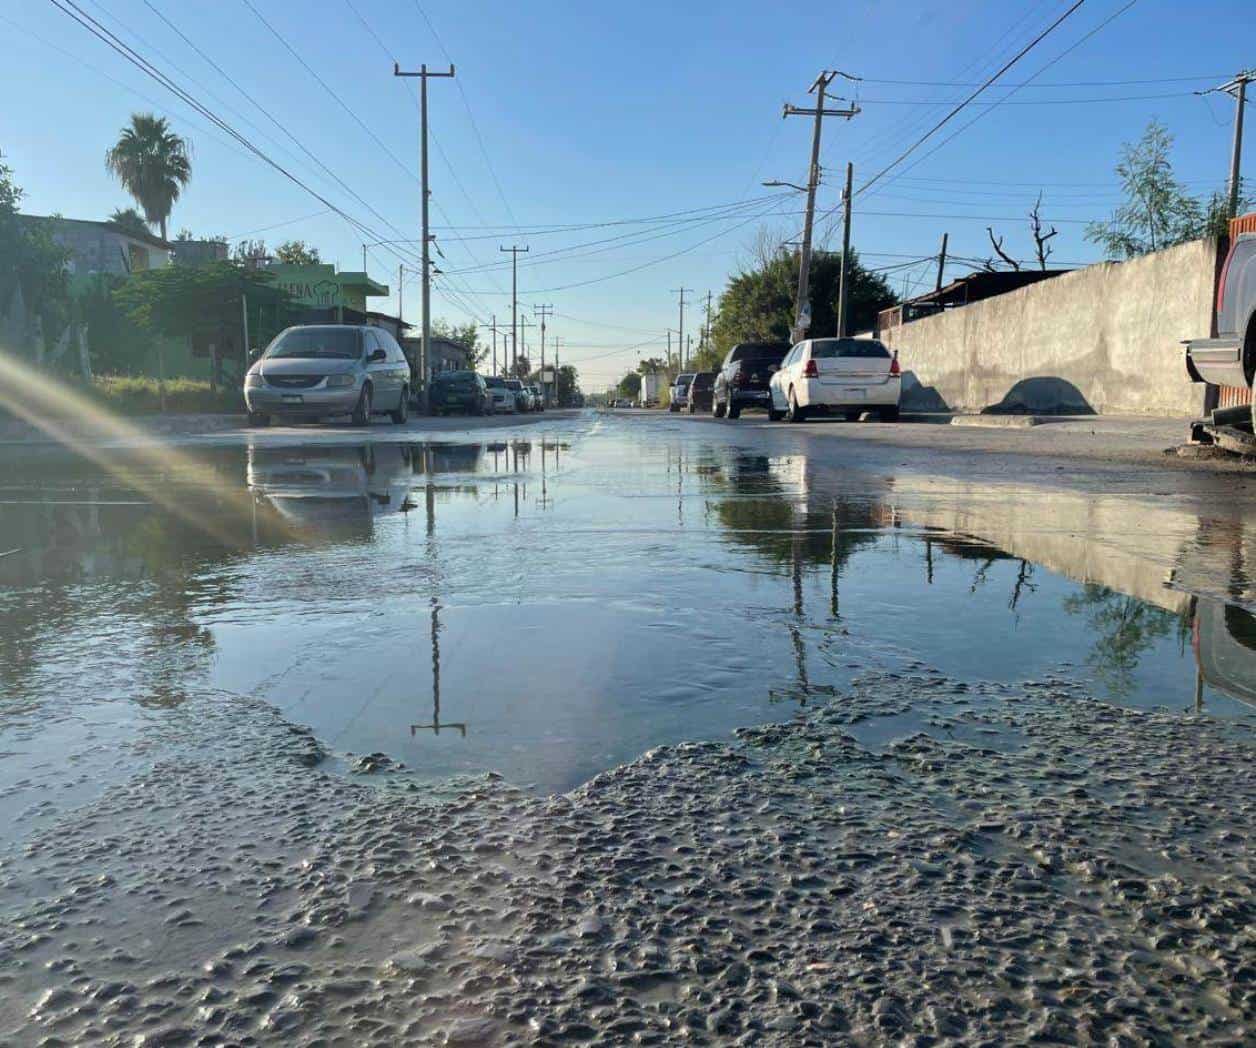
[(207, 650)]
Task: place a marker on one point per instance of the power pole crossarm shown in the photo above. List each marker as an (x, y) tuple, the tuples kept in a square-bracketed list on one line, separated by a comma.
[(425, 351)]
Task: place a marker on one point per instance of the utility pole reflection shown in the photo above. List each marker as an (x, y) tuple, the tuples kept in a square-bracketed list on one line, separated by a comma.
[(436, 725)]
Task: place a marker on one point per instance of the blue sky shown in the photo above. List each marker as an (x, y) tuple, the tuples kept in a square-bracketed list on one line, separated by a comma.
[(567, 114)]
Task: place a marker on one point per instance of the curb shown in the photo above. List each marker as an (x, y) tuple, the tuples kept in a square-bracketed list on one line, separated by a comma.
[(997, 421)]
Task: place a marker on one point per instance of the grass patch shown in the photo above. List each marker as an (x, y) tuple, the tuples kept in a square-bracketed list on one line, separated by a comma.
[(141, 395)]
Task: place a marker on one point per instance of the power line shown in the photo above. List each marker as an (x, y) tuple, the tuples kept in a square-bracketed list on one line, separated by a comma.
[(102, 33), (1035, 101), (957, 109), (1053, 84)]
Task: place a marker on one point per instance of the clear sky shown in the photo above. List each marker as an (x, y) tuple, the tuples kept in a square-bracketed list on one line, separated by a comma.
[(586, 114)]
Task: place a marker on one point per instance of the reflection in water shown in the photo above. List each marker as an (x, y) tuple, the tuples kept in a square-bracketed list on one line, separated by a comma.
[(576, 614), (1124, 630)]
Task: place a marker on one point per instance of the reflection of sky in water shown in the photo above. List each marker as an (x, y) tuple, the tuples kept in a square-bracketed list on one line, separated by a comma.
[(566, 601)]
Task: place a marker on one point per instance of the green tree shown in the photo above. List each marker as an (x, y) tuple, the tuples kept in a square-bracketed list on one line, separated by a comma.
[(297, 253), (630, 385), (31, 259), (758, 303), (204, 301), (130, 220), (1157, 212), (153, 164), (467, 335), (651, 365), (116, 343), (568, 381)]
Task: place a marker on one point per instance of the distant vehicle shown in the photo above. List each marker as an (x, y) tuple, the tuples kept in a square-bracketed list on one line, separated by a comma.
[(504, 399), (1230, 358), (742, 381), (836, 376), (680, 391), (316, 371), (460, 391), (701, 390), (538, 398), (651, 385), (523, 402)]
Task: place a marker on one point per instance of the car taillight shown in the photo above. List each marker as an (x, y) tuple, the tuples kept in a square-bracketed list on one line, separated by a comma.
[(811, 370), (894, 368)]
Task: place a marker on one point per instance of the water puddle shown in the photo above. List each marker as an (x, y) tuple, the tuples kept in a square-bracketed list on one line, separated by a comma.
[(553, 602)]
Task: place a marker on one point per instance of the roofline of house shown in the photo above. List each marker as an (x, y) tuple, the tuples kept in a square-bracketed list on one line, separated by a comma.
[(151, 239)]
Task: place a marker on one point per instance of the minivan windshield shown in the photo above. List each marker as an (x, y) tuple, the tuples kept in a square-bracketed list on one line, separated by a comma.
[(338, 343)]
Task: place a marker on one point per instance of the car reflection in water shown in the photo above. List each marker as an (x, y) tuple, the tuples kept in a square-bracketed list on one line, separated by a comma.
[(333, 489), (1224, 638)]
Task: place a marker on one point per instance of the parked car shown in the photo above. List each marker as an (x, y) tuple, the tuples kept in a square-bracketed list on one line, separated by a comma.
[(461, 391), (836, 376), (504, 399), (742, 381), (523, 402), (320, 370), (1230, 358), (538, 398), (701, 390), (680, 391)]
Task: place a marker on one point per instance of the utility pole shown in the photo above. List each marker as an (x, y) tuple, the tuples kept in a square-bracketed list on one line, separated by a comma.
[(669, 347), (941, 263), (802, 310), (514, 250), (401, 288), (543, 312), (680, 336), (706, 338), (493, 325), (841, 293), (424, 352), (524, 324), (556, 403)]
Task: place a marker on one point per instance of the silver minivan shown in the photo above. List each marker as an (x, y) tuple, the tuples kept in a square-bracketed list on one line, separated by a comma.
[(319, 370)]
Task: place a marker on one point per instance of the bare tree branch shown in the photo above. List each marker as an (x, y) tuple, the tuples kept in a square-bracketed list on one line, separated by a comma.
[(1040, 238), (998, 247)]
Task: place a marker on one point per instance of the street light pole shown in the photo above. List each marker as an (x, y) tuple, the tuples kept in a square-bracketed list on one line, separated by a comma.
[(424, 353)]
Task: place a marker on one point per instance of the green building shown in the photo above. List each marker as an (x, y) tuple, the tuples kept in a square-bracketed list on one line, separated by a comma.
[(321, 287)]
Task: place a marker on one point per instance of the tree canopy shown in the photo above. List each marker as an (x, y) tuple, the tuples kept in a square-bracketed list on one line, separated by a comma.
[(193, 300), (297, 253), (1157, 212), (31, 259), (153, 164), (129, 219), (758, 303), (630, 385)]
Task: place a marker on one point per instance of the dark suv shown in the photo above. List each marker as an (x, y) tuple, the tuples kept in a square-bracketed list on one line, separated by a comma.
[(462, 391), (700, 391), (743, 379)]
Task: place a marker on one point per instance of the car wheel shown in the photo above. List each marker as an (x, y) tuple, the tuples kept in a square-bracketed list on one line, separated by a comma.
[(259, 419), (717, 409), (733, 410), (362, 413), (402, 413), (693, 410), (853, 415), (889, 414), (775, 414), (795, 413)]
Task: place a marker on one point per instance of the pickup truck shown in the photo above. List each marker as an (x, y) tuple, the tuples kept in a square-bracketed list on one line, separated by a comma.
[(1229, 359)]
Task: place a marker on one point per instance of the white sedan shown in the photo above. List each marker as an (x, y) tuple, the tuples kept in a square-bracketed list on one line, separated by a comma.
[(836, 376)]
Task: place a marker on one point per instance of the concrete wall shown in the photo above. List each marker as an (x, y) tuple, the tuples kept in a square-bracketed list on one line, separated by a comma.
[(1105, 339)]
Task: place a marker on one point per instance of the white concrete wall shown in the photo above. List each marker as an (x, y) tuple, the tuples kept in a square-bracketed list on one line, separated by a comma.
[(1107, 337)]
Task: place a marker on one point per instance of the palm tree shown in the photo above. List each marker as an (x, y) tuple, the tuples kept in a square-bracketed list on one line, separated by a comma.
[(153, 165), (130, 220)]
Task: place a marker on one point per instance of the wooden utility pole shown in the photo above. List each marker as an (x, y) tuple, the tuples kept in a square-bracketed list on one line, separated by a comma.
[(941, 263), (424, 352), (706, 338), (680, 338), (514, 301), (493, 325), (543, 312), (802, 308), (524, 324), (845, 273)]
